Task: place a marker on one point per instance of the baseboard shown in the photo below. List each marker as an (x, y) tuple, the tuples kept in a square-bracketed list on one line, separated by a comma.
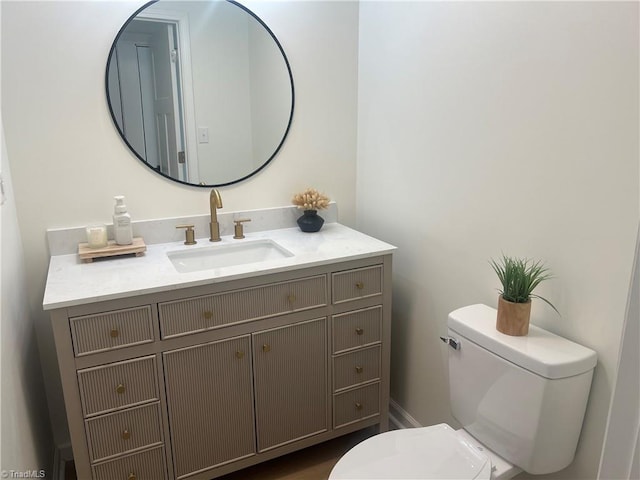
[(400, 418)]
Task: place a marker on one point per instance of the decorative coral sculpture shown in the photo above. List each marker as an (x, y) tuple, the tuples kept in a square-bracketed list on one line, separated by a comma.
[(310, 199)]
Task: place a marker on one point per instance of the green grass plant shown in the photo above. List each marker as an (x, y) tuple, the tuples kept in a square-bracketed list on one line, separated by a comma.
[(519, 277)]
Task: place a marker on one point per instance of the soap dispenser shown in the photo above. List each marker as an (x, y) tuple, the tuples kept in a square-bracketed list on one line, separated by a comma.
[(122, 232)]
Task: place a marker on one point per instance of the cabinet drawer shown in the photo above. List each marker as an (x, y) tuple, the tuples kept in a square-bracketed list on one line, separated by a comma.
[(111, 330), (122, 432), (355, 368), (356, 284), (213, 311), (355, 405), (147, 465), (356, 329), (118, 385)]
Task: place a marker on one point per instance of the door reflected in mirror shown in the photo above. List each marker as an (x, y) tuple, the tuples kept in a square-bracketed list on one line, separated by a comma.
[(200, 91)]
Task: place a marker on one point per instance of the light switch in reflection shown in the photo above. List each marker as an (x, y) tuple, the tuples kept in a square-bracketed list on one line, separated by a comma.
[(203, 135)]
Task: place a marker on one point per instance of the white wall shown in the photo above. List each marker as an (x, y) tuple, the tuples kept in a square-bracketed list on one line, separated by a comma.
[(270, 93), (68, 161), (221, 86), (500, 127), (26, 439), (623, 426)]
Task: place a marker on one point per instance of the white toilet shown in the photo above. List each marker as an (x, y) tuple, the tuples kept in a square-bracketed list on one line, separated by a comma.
[(520, 400)]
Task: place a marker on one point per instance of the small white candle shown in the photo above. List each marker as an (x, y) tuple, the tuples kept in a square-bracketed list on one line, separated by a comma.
[(97, 236)]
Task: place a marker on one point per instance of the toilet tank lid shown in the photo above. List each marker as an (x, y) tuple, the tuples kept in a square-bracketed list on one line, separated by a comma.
[(541, 352)]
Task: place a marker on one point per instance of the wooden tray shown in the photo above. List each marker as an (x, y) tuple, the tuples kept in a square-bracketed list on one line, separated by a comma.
[(111, 250)]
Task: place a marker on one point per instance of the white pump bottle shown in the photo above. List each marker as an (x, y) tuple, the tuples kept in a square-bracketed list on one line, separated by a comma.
[(122, 231)]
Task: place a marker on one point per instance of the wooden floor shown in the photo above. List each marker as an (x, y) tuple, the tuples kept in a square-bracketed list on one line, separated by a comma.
[(313, 463)]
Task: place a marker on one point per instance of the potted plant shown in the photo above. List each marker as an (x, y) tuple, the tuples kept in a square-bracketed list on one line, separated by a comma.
[(519, 277), (310, 201)]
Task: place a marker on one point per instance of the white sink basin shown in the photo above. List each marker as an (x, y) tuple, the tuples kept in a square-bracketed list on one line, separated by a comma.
[(216, 256)]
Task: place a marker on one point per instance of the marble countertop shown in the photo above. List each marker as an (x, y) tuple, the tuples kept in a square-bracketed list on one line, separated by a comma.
[(71, 282)]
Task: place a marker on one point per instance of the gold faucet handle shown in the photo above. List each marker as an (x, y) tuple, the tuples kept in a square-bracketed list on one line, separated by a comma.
[(239, 232), (190, 234)]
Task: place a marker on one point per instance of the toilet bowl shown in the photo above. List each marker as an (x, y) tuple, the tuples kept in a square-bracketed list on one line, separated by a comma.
[(435, 452), (520, 400)]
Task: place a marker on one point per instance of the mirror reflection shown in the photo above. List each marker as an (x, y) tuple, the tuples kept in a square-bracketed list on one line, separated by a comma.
[(200, 91)]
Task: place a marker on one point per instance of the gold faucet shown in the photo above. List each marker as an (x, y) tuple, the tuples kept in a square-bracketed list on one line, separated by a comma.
[(215, 202)]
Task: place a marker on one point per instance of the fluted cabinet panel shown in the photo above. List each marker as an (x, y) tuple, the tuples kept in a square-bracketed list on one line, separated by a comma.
[(117, 385), (357, 283), (124, 431), (146, 465), (111, 330), (209, 398), (351, 369), (202, 380), (290, 375), (355, 405), (214, 311), (357, 329)]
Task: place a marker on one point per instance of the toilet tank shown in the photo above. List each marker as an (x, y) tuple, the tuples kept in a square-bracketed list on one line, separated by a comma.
[(522, 397)]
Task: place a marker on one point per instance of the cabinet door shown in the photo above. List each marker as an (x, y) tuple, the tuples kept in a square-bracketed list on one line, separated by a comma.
[(210, 403), (290, 376)]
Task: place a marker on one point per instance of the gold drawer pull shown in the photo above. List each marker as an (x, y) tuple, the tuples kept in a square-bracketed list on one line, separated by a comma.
[(266, 347), (115, 333), (132, 476), (120, 388), (291, 298), (359, 331), (239, 354), (359, 369), (359, 406), (359, 285), (126, 435), (208, 315)]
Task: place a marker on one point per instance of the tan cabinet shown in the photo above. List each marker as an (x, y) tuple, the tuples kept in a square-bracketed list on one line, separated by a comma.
[(118, 385), (147, 465), (210, 395), (290, 370), (358, 283), (108, 331), (359, 361), (124, 432), (198, 382), (356, 405), (210, 404), (122, 418), (185, 316)]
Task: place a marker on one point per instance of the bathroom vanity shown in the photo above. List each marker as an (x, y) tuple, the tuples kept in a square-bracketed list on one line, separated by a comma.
[(170, 375)]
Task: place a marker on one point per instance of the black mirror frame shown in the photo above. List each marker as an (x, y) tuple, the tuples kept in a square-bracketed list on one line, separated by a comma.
[(130, 147)]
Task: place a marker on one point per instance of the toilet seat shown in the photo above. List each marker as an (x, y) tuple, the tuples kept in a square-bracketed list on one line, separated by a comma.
[(434, 452)]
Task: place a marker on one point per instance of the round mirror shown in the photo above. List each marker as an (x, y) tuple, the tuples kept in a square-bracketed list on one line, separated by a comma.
[(200, 91)]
